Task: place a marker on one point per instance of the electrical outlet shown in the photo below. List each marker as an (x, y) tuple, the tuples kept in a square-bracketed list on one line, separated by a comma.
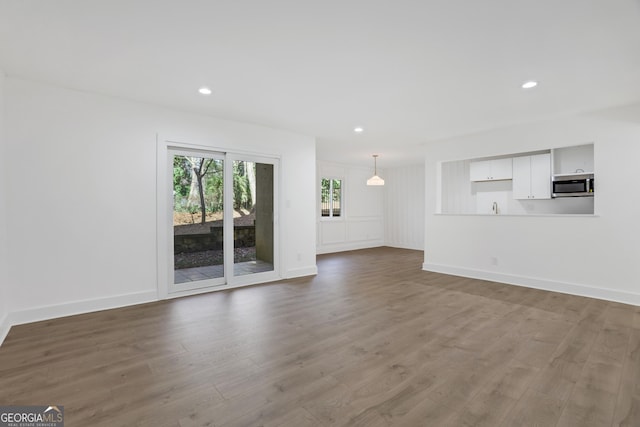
[(494, 260)]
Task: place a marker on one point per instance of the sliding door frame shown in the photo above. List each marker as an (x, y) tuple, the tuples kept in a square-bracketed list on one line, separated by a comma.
[(165, 148), (197, 284), (267, 276)]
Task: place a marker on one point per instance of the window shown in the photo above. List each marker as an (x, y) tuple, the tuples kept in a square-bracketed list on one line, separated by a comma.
[(331, 197)]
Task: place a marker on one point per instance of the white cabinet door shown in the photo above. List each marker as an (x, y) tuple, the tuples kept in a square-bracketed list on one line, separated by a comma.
[(532, 177), (480, 170), (490, 170), (541, 176), (501, 169), (522, 177)]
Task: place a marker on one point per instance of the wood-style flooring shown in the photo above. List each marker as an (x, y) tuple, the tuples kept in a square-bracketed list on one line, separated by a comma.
[(371, 341)]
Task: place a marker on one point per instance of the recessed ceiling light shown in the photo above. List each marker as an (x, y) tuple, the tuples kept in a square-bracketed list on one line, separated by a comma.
[(530, 84), (204, 91), (358, 129)]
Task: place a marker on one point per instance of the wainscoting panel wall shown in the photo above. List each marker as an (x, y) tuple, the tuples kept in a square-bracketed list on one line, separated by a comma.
[(361, 222), (404, 207)]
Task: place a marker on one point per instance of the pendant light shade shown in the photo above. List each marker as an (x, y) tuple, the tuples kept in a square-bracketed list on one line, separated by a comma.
[(375, 179)]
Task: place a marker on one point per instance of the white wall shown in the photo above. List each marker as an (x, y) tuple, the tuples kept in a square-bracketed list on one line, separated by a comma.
[(82, 204), (362, 225), (404, 193), (4, 283), (594, 256)]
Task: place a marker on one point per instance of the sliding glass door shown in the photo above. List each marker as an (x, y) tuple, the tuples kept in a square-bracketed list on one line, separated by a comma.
[(253, 223), (224, 219), (198, 219)]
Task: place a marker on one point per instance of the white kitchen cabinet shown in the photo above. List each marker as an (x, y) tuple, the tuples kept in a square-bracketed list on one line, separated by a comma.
[(532, 177), (490, 170)]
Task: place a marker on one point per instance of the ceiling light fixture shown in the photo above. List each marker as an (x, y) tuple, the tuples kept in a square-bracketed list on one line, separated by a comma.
[(375, 179), (204, 90), (358, 129), (529, 85)]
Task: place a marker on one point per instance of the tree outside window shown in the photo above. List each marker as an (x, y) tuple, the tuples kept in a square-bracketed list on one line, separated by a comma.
[(330, 197)]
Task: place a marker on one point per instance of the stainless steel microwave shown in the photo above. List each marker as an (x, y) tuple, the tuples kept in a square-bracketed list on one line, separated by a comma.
[(572, 185)]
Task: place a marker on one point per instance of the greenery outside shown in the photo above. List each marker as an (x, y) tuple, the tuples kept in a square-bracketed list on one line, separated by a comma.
[(331, 197), (198, 185), (198, 197)]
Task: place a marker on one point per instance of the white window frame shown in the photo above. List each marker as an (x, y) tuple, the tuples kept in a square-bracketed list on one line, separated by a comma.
[(342, 198)]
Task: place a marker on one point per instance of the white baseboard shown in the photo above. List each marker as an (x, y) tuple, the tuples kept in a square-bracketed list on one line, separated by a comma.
[(399, 246), (301, 272), (69, 309), (343, 247), (537, 283)]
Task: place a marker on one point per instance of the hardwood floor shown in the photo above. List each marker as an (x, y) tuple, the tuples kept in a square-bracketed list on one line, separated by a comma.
[(371, 341)]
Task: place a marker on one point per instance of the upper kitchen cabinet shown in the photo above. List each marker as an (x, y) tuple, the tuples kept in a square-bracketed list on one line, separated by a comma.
[(575, 159), (515, 183), (532, 177), (490, 170)]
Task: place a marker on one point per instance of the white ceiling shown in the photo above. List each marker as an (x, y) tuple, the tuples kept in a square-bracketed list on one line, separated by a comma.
[(408, 71)]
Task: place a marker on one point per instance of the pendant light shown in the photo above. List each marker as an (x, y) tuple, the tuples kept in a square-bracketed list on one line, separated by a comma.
[(375, 179)]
